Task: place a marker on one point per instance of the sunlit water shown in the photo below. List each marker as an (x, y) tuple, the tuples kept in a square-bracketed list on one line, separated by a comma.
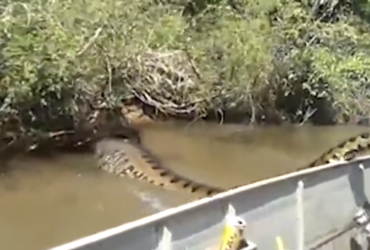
[(46, 202)]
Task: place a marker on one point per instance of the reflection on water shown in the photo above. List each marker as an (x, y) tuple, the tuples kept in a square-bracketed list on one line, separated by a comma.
[(47, 202)]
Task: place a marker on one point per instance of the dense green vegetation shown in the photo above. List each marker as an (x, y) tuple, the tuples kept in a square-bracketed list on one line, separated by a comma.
[(273, 60)]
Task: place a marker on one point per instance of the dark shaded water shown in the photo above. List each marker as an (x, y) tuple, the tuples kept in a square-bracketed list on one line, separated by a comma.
[(48, 202)]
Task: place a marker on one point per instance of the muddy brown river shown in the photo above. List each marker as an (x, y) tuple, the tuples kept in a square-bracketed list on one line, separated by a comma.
[(46, 202)]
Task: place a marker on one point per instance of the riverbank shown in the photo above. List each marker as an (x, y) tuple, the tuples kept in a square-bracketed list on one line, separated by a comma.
[(257, 61)]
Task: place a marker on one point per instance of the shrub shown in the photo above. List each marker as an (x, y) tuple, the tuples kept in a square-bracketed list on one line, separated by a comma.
[(273, 60)]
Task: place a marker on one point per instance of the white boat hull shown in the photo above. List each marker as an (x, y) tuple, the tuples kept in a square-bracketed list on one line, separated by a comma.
[(310, 209)]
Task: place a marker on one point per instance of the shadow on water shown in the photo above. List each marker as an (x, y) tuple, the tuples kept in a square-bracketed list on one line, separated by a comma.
[(47, 202)]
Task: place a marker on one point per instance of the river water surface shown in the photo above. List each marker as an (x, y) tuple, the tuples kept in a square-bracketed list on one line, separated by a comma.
[(46, 202)]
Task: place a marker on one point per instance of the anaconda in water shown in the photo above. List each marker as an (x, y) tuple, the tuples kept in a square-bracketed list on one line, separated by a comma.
[(125, 158), (347, 150)]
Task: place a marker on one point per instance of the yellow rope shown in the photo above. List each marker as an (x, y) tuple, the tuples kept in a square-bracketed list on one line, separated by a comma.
[(279, 243)]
